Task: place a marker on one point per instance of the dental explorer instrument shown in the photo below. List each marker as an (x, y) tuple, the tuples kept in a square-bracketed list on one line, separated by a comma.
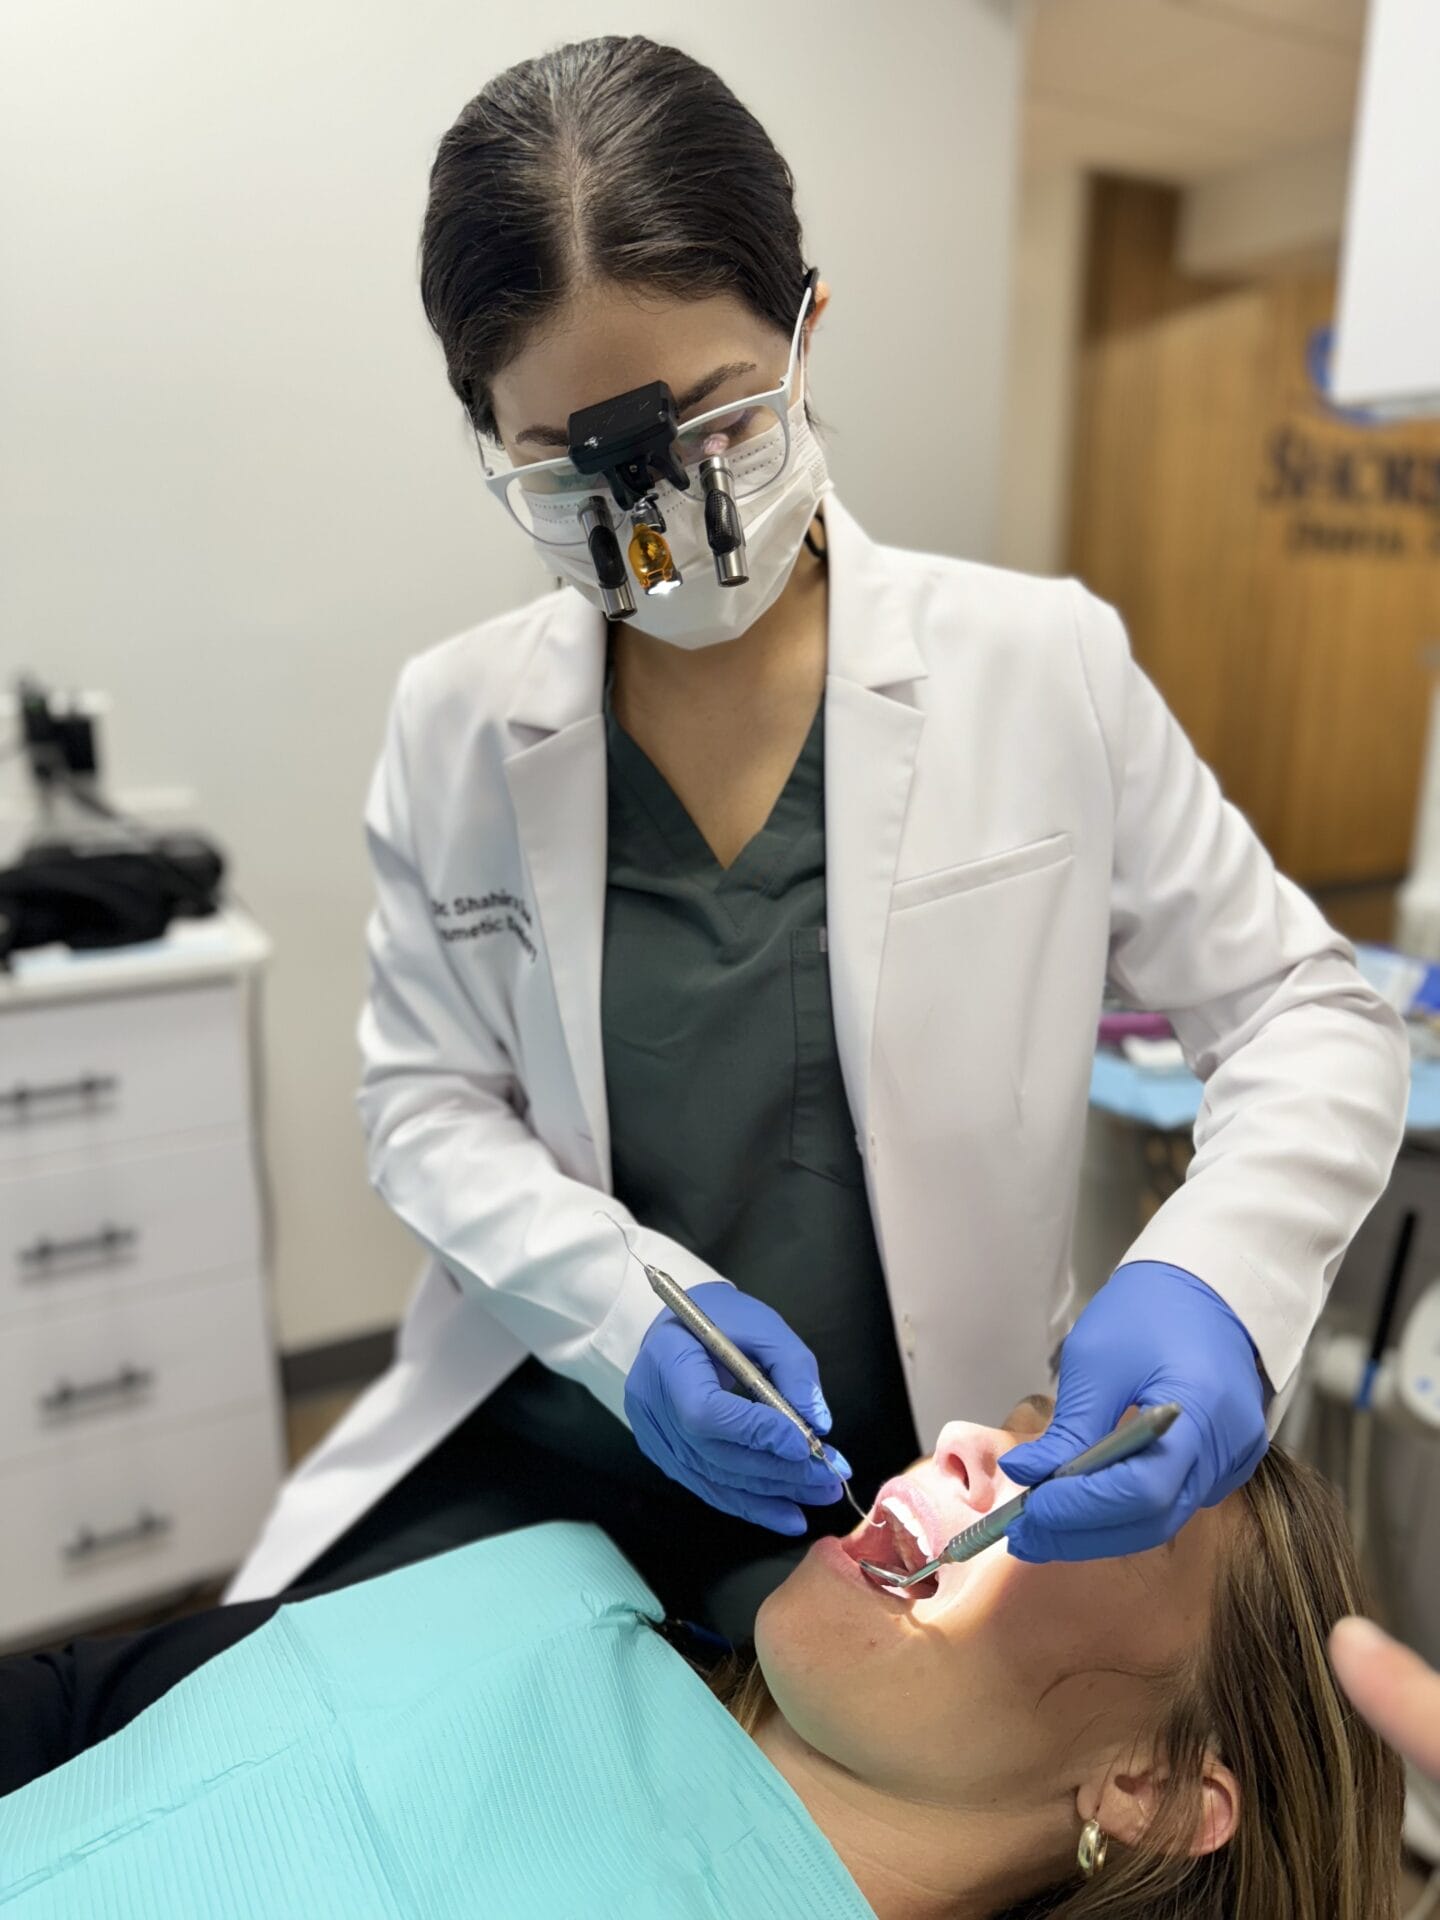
[(748, 1377), (1136, 1434)]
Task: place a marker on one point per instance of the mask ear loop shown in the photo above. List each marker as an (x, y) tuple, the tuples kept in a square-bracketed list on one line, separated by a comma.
[(802, 368)]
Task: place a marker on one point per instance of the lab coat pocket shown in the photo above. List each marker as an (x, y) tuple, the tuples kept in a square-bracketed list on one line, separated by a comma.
[(992, 867), (986, 1013), (822, 1134)]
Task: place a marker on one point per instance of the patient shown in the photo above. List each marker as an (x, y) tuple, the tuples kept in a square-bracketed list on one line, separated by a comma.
[(499, 1731), (954, 1747)]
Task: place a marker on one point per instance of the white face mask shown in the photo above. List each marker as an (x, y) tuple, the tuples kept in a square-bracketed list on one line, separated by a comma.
[(700, 612)]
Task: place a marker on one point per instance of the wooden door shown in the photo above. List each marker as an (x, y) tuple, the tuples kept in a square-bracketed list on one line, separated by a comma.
[(1278, 565)]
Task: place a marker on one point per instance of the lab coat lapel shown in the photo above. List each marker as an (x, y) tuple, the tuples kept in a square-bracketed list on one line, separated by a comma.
[(557, 782), (872, 732)]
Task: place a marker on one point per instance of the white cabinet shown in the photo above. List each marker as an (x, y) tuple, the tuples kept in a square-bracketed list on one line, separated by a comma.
[(139, 1359), (111, 1524), (107, 1223), (77, 1075), (140, 1433)]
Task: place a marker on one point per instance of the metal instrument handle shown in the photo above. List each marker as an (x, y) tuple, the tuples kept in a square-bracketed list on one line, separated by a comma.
[(748, 1377), (1135, 1435), (995, 1525)]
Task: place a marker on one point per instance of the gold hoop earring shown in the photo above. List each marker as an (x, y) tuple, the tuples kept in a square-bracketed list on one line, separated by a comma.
[(1091, 1852)]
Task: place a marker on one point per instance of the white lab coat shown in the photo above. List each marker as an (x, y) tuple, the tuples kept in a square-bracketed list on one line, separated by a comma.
[(1012, 814)]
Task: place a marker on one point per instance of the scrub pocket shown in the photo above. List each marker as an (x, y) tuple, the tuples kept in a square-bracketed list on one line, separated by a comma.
[(822, 1134)]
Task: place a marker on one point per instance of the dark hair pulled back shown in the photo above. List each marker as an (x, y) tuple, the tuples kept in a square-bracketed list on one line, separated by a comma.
[(605, 160)]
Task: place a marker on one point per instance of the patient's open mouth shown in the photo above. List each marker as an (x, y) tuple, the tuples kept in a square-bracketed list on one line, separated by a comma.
[(901, 1544)]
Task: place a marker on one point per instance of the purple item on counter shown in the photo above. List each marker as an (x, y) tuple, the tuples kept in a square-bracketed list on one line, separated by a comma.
[(1115, 1027)]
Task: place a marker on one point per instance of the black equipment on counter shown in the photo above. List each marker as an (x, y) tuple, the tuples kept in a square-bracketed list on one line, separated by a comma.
[(108, 880), (108, 896)]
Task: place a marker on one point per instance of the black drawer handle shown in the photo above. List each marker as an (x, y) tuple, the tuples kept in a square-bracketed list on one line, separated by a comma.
[(89, 1089), (145, 1528), (69, 1396), (108, 1247)]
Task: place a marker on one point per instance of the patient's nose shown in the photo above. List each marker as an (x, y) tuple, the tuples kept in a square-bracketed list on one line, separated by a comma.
[(970, 1455)]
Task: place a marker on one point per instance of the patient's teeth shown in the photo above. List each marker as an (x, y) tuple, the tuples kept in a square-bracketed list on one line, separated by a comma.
[(912, 1526)]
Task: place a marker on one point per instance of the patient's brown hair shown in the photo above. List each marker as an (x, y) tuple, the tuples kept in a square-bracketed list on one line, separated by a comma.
[(1318, 1836)]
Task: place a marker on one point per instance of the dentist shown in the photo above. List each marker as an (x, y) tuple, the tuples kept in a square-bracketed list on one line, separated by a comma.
[(771, 922)]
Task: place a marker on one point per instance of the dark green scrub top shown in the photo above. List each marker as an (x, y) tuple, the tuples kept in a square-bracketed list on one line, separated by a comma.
[(730, 1128)]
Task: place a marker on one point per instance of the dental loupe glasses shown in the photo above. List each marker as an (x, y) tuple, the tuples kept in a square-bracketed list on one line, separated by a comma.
[(632, 447)]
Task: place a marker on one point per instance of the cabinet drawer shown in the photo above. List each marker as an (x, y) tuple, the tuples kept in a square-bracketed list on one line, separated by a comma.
[(131, 1362), (88, 1231), (102, 1526), (86, 1073)]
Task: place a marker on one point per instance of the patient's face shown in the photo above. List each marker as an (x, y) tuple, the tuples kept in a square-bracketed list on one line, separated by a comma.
[(1006, 1681)]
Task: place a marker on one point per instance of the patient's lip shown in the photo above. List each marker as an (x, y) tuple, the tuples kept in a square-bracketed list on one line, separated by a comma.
[(905, 1493), (858, 1545), (844, 1554)]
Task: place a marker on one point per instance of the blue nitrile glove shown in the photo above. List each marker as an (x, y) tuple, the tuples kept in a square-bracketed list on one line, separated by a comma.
[(742, 1457), (1152, 1333)]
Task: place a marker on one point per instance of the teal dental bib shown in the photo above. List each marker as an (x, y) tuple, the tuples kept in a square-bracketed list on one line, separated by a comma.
[(494, 1732)]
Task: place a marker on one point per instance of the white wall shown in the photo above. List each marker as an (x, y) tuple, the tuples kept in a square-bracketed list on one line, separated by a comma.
[(236, 488), (1046, 303), (1387, 331), (1266, 215)]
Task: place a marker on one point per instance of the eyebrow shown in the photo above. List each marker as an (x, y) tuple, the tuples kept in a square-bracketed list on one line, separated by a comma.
[(1039, 1403), (732, 369)]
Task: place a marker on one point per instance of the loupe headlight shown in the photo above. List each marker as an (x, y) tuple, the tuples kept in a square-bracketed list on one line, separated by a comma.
[(629, 439), (606, 558), (724, 529), (630, 442)]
